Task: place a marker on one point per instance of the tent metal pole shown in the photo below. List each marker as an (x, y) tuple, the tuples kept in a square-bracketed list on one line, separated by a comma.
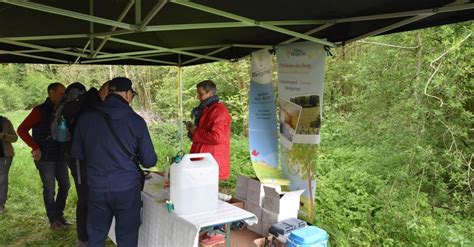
[(83, 50), (34, 56), (155, 53), (180, 103), (166, 49), (139, 58), (31, 51), (208, 54), (128, 54), (444, 9), (111, 33), (48, 37), (307, 33), (120, 18), (454, 6), (152, 13), (138, 11), (42, 48), (174, 27), (250, 21), (91, 27), (72, 14), (388, 28), (252, 46)]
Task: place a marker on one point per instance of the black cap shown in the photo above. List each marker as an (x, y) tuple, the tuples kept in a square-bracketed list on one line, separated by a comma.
[(121, 84)]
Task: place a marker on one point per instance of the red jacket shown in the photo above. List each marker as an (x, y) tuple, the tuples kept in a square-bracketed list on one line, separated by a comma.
[(213, 136)]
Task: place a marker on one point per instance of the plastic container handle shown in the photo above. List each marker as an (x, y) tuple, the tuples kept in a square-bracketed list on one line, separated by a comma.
[(197, 155)]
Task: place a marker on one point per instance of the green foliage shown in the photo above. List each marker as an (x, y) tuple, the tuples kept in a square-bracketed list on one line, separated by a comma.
[(395, 161)]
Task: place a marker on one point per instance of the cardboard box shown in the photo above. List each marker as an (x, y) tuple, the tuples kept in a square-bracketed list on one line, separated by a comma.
[(255, 192), (269, 217), (265, 228), (255, 209), (280, 202), (237, 202), (242, 238), (267, 241), (257, 228), (241, 187)]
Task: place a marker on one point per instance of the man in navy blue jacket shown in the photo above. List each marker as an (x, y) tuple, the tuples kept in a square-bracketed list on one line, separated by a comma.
[(113, 178)]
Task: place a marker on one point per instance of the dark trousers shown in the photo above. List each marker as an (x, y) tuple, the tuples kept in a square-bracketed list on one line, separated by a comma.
[(51, 171), (79, 173), (125, 206), (5, 164)]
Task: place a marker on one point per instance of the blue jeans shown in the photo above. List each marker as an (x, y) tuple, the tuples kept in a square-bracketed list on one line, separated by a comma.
[(125, 206), (49, 172), (5, 164)]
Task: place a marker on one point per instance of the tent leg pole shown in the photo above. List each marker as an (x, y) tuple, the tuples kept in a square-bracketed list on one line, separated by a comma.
[(180, 103)]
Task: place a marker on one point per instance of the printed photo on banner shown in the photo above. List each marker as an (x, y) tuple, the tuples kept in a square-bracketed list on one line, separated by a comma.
[(310, 120), (289, 117)]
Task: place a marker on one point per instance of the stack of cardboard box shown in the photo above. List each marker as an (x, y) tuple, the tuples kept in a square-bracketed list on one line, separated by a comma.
[(267, 202), (251, 192), (278, 206)]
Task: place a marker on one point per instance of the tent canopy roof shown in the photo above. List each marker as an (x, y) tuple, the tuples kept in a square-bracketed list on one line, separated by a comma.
[(182, 32)]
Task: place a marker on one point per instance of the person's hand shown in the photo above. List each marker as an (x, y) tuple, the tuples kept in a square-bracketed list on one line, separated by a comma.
[(190, 126), (36, 154)]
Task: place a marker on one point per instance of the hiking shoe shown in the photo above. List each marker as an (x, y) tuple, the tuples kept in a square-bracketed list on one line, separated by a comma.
[(64, 221), (57, 225), (2, 209)]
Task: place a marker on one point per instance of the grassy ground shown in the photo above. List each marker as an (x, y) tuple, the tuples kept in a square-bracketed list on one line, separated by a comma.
[(24, 222)]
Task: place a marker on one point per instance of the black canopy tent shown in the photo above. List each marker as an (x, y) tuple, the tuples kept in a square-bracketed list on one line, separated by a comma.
[(182, 32)]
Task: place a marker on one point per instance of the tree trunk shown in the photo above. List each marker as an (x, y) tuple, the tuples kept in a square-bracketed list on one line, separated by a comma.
[(111, 72)]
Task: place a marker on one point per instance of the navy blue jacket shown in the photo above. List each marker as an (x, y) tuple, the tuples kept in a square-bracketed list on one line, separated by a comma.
[(51, 150), (108, 166)]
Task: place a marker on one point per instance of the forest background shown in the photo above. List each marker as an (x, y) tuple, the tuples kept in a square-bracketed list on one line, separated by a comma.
[(395, 162)]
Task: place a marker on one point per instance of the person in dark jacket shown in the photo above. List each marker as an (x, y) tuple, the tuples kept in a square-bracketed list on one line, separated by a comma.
[(72, 109), (7, 137), (112, 176), (48, 155)]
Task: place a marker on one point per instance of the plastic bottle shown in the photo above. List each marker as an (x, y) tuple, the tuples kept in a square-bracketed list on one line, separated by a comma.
[(194, 184), (62, 131)]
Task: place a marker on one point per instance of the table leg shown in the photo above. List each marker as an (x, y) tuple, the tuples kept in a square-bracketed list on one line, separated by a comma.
[(227, 235)]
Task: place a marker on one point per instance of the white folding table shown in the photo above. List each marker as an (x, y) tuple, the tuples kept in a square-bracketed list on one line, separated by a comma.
[(161, 228)]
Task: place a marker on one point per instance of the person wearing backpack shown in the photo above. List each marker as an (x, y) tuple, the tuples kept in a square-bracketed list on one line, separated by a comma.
[(7, 137), (48, 155), (65, 117), (104, 138)]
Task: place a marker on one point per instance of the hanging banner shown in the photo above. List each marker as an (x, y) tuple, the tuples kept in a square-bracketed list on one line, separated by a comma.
[(263, 135), (300, 91)]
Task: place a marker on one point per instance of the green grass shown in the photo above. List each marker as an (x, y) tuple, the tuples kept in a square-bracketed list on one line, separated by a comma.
[(24, 222)]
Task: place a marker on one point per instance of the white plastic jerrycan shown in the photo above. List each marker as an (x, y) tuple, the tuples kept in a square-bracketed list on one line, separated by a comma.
[(194, 184)]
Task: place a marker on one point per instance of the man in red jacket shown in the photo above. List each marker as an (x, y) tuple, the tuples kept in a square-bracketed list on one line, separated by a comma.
[(210, 132), (48, 155)]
